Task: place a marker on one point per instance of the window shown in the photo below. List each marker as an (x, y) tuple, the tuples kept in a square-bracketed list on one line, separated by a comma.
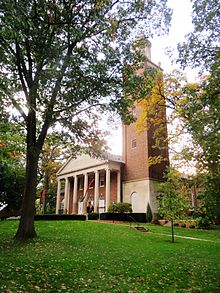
[(101, 205), (101, 180), (134, 144)]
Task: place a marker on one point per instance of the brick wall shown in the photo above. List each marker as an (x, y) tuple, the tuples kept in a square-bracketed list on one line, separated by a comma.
[(113, 187), (136, 158), (157, 171)]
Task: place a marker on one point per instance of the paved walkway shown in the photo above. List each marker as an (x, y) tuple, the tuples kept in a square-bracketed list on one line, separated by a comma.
[(161, 234), (186, 237)]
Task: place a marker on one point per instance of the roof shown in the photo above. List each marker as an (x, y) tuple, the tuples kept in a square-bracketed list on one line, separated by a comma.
[(85, 162), (112, 157)]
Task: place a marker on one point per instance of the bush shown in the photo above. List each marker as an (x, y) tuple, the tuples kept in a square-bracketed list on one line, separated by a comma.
[(128, 217), (120, 207), (149, 215), (59, 217), (192, 226), (156, 222), (93, 216), (176, 224), (183, 225), (203, 223)]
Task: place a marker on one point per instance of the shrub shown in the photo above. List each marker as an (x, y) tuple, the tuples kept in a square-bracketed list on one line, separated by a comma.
[(176, 224), (93, 216), (59, 217), (156, 222), (120, 207), (128, 217), (149, 215), (192, 226), (203, 223), (183, 225)]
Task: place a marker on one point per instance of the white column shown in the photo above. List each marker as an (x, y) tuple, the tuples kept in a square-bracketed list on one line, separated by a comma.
[(119, 186), (84, 193), (75, 188), (58, 196), (96, 192), (66, 196), (107, 189)]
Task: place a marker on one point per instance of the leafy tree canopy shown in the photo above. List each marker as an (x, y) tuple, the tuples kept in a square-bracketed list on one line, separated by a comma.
[(50, 161), (152, 116), (201, 48), (61, 60), (12, 171), (67, 57), (120, 207), (173, 199), (200, 108), (12, 180), (196, 117)]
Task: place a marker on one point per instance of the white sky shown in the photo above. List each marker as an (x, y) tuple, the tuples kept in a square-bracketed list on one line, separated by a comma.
[(180, 25)]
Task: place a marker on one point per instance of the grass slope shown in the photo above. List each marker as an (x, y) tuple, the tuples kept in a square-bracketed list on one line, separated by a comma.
[(75, 256), (212, 234)]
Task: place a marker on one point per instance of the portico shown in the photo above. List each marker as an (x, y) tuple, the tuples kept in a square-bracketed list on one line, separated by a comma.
[(88, 179)]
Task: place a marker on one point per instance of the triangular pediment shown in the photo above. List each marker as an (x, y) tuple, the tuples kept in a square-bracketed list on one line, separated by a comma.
[(79, 163)]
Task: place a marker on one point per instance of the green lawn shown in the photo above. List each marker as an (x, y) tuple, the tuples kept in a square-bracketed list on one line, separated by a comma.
[(212, 234), (74, 256)]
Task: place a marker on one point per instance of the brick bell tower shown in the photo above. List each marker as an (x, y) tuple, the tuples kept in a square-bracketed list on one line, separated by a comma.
[(139, 179)]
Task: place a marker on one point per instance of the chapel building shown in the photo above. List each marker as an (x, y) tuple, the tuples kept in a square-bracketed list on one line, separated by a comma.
[(112, 178)]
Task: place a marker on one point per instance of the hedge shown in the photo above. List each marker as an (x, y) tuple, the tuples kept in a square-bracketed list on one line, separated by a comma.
[(128, 217), (93, 216), (59, 217)]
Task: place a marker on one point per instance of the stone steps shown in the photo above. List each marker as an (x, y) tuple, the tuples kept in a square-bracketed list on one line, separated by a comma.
[(141, 229)]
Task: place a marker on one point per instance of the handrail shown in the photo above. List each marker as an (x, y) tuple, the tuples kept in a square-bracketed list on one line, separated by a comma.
[(133, 220)]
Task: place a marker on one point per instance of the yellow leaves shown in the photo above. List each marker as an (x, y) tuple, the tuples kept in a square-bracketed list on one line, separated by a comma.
[(174, 83), (194, 86), (112, 30), (155, 274), (13, 154), (176, 93), (182, 102), (154, 160), (152, 106), (141, 123), (152, 118), (101, 275), (100, 4), (184, 191)]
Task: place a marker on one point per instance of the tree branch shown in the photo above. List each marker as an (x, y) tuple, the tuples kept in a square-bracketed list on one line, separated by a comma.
[(83, 110), (20, 71), (30, 65), (49, 110), (7, 47), (20, 110)]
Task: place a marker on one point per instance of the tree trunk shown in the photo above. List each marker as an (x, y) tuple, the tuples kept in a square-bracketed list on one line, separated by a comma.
[(172, 227), (46, 188), (26, 227)]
